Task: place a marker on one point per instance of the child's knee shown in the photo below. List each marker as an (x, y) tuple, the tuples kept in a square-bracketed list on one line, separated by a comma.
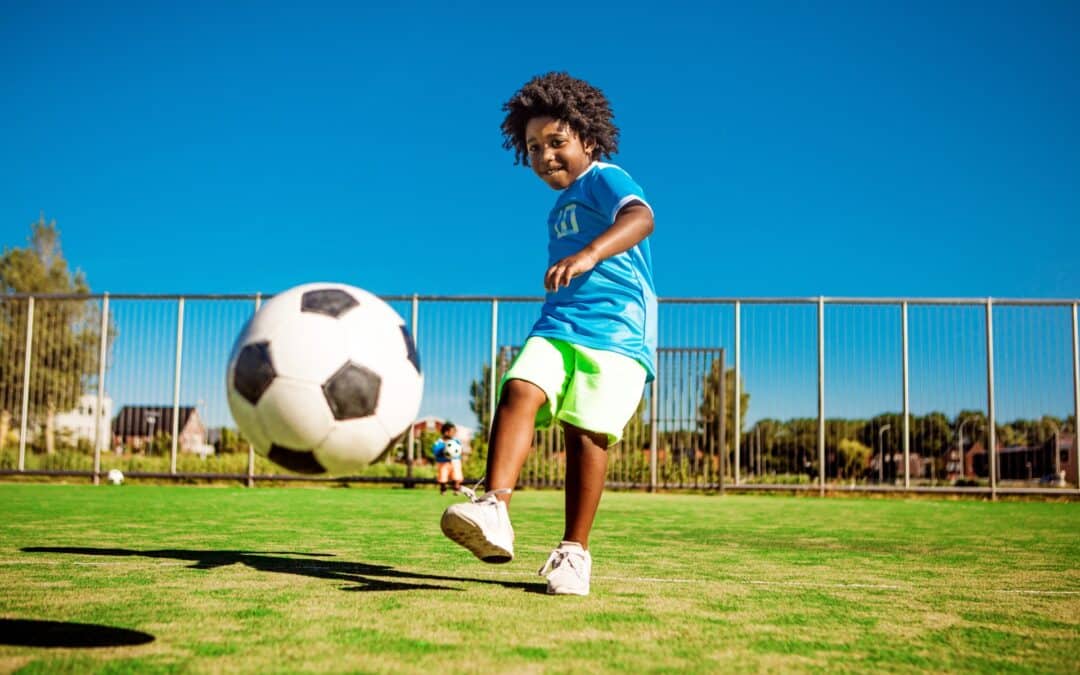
[(522, 394)]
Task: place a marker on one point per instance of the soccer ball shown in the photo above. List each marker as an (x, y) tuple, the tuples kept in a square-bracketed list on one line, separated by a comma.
[(324, 378), (115, 476), (453, 449)]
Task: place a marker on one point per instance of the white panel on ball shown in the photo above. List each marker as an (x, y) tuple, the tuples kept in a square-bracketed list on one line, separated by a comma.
[(273, 312), (399, 399), (352, 445), (310, 347), (295, 414), (370, 340)]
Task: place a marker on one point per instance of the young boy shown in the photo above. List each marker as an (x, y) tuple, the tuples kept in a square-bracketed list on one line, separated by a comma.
[(447, 451), (590, 353)]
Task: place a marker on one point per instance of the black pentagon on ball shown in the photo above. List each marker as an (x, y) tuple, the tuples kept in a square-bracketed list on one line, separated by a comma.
[(352, 392), (297, 461), (329, 301), (254, 371), (410, 347)]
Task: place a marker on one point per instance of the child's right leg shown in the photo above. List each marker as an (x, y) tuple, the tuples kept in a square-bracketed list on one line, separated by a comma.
[(512, 433), (482, 525)]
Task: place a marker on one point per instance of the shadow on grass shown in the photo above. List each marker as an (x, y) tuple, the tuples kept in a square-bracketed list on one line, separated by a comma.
[(366, 577), (32, 633)]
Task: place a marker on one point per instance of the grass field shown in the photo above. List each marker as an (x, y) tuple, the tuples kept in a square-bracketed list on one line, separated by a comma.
[(358, 579)]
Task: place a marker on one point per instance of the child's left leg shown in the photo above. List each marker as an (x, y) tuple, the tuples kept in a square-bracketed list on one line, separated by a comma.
[(569, 567), (586, 472)]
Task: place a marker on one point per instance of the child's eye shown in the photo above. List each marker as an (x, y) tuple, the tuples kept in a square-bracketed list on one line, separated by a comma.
[(533, 148), (558, 143)]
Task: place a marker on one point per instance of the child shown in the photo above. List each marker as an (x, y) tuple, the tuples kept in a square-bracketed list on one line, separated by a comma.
[(590, 353), (447, 451)]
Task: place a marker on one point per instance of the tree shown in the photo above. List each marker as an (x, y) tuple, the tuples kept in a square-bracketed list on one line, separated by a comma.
[(852, 458), (709, 410), (480, 401), (480, 390), (63, 356)]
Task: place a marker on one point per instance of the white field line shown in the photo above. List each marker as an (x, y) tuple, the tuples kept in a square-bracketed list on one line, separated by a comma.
[(646, 580)]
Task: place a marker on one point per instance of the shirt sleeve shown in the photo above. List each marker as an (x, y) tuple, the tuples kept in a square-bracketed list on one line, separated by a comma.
[(613, 189)]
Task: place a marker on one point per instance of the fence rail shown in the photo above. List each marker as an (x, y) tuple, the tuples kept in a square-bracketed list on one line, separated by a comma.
[(974, 395)]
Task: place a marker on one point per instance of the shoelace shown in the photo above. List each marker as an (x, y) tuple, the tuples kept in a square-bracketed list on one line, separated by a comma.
[(490, 495), (560, 556)]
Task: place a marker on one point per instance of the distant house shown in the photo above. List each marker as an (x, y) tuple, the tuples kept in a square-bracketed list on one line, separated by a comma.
[(1027, 462), (82, 422), (136, 425)]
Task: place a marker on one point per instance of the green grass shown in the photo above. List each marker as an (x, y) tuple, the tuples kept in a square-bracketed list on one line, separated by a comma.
[(360, 579)]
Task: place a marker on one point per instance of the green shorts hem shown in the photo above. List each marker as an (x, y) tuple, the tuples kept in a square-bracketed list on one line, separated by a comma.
[(593, 389)]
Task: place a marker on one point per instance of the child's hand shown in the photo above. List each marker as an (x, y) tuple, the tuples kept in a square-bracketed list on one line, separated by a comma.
[(569, 267)]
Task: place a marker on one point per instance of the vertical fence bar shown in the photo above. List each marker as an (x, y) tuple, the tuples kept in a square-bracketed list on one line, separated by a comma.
[(991, 432), (494, 355), (26, 383), (736, 432), (654, 431), (821, 394), (410, 443), (721, 405), (907, 407), (1076, 394), (99, 413), (176, 384), (251, 447)]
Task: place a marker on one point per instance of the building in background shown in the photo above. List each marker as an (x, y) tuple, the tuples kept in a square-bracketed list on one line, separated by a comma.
[(84, 424), (137, 425)]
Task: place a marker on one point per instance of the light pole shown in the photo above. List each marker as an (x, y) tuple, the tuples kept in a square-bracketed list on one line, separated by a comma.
[(881, 453), (150, 420)]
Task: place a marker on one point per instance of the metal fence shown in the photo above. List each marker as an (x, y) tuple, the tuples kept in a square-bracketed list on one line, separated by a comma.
[(820, 394)]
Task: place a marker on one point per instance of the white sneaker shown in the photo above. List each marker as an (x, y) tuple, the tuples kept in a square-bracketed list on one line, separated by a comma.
[(568, 569), (481, 525)]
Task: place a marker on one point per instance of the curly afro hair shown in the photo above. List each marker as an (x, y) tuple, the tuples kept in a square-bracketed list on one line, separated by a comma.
[(562, 97)]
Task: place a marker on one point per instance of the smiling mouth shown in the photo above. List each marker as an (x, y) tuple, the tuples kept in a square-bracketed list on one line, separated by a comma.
[(551, 172)]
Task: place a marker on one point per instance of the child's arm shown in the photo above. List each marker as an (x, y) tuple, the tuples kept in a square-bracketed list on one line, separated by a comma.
[(633, 223)]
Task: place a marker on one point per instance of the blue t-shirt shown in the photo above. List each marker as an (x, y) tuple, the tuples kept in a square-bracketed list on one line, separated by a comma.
[(612, 306)]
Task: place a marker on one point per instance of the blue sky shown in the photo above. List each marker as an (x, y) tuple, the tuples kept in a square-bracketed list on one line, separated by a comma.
[(845, 149), (789, 149)]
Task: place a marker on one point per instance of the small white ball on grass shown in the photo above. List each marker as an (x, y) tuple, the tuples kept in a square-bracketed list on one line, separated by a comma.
[(116, 476)]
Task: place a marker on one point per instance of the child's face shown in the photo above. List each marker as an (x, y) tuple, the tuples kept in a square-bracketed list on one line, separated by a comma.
[(556, 152)]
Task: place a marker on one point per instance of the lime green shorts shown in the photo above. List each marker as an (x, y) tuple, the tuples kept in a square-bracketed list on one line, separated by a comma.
[(591, 389)]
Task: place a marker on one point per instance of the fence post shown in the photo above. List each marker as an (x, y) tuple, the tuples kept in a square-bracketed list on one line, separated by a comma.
[(907, 409), (991, 418), (492, 376), (176, 383), (737, 421), (1076, 394), (410, 443), (99, 416), (251, 447), (721, 404), (821, 395), (654, 432), (26, 383)]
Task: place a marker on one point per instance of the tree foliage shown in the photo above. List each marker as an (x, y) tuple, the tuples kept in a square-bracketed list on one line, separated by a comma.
[(66, 332)]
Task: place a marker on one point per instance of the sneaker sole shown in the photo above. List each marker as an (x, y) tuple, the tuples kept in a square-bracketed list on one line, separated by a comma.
[(468, 534)]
